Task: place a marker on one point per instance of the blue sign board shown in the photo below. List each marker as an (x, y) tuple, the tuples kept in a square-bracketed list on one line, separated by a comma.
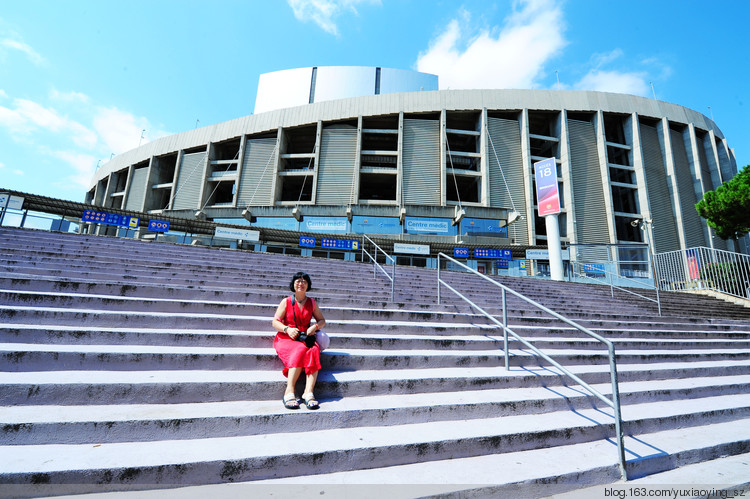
[(492, 253), (101, 217), (460, 252), (483, 227), (307, 242), (502, 264), (343, 244), (281, 223), (376, 225), (433, 226), (158, 225), (592, 269), (324, 224)]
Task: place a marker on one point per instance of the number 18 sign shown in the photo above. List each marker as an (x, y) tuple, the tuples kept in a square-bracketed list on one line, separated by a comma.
[(547, 193)]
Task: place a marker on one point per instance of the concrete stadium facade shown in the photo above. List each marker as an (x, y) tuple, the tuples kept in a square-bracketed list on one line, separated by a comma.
[(439, 164)]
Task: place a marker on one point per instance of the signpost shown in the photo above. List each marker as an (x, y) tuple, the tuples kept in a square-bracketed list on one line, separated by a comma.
[(102, 217), (548, 205), (460, 252), (306, 242), (411, 249), (343, 244), (492, 253), (158, 225), (238, 234)]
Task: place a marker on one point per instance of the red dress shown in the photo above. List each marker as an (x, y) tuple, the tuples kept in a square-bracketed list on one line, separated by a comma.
[(295, 353)]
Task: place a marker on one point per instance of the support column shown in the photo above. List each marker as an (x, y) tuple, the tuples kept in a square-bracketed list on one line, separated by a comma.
[(554, 247)]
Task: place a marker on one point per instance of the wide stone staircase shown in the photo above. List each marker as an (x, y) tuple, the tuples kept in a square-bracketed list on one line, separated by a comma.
[(131, 365)]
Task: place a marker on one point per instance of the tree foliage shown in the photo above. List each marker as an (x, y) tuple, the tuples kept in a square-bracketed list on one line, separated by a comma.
[(727, 209)]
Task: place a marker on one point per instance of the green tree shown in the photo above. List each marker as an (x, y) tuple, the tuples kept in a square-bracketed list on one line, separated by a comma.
[(727, 209)]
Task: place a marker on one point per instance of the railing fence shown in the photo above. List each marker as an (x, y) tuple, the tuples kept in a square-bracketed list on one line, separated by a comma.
[(705, 269), (376, 266)]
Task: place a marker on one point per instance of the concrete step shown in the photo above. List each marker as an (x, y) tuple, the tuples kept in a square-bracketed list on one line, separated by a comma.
[(34, 357), (27, 300), (258, 457), (357, 320), (561, 470), (35, 424), (90, 387), (481, 339)]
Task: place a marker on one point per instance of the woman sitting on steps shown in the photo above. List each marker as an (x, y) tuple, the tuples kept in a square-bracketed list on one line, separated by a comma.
[(299, 343)]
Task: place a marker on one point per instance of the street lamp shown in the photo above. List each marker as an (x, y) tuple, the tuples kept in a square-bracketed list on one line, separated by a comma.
[(642, 223)]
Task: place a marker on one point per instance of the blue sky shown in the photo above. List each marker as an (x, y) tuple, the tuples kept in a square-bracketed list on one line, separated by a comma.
[(81, 80)]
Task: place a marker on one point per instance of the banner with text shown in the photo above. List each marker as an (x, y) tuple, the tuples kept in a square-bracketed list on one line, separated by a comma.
[(547, 192)]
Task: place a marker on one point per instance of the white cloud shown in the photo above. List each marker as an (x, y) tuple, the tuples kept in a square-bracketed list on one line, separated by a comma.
[(32, 54), (513, 57), (323, 12), (122, 131), (68, 96), (27, 116), (83, 166), (603, 79), (599, 60), (36, 114), (615, 81), (15, 172), (3, 94)]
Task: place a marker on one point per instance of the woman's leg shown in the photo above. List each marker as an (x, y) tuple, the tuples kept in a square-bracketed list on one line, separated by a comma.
[(291, 379), (310, 382), (308, 396)]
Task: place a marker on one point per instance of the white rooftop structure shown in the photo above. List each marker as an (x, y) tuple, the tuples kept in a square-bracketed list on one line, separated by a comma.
[(297, 87)]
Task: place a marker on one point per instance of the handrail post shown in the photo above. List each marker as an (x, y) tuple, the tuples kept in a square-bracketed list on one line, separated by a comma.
[(652, 261), (505, 332), (438, 280), (618, 414), (393, 281)]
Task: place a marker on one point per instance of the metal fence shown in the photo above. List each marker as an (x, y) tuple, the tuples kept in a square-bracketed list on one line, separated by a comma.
[(626, 265), (704, 268)]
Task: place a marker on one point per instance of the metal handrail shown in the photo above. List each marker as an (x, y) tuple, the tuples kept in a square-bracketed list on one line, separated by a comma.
[(613, 287), (614, 403), (377, 266)]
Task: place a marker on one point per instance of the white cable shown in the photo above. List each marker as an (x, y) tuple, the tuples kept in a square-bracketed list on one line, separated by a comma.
[(304, 181), (217, 183), (510, 196), (263, 173), (171, 201), (453, 170)]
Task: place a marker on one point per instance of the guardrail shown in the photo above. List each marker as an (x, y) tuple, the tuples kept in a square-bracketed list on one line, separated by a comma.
[(705, 268), (376, 266), (612, 286), (614, 403)]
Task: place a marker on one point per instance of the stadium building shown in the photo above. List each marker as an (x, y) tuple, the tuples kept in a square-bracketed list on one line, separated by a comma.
[(362, 150)]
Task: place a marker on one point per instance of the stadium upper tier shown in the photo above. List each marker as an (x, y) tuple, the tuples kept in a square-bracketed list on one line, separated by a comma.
[(422, 157)]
